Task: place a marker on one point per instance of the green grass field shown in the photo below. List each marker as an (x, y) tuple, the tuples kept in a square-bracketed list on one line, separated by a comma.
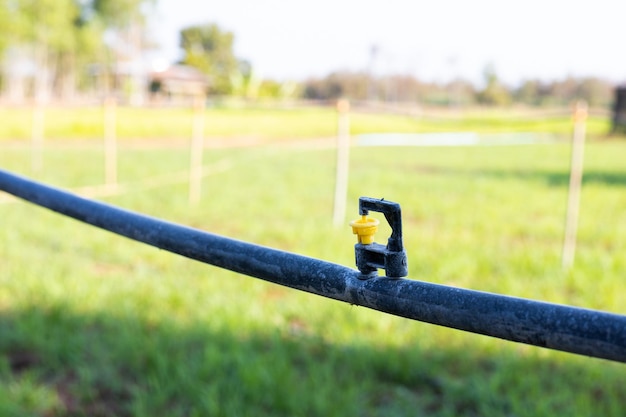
[(92, 324), (260, 124)]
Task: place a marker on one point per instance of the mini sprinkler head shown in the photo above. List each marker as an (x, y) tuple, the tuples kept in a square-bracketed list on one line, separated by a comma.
[(365, 228), (371, 256)]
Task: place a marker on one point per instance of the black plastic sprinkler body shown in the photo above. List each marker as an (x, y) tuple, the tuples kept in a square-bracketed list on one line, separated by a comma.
[(371, 256)]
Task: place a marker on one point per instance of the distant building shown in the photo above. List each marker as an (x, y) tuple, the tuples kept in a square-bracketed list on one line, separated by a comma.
[(619, 110), (178, 84)]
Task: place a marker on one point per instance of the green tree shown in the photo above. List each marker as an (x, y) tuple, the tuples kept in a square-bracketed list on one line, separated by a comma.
[(528, 92), (494, 93), (210, 49), (126, 21), (595, 91), (45, 29), (6, 19), (7, 15), (60, 37), (118, 13)]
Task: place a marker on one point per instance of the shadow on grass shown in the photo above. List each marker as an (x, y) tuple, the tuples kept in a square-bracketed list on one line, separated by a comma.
[(60, 363), (551, 178), (561, 179)]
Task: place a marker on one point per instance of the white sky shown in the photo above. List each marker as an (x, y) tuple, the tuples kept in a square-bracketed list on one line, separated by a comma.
[(430, 39)]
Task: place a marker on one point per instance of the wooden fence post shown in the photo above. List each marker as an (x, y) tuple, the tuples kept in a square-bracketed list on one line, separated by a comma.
[(37, 135), (110, 143), (197, 149), (575, 184), (343, 157)]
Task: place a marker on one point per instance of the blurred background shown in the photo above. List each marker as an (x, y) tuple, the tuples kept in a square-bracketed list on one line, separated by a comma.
[(265, 121), (450, 53)]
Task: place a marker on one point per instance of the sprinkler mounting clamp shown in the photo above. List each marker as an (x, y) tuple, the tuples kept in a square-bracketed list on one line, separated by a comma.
[(371, 256)]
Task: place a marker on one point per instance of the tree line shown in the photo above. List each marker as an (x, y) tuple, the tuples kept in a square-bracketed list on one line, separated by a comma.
[(65, 48), (361, 86), (61, 47)]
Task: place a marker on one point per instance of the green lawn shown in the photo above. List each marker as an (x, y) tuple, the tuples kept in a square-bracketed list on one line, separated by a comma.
[(94, 324), (271, 124)]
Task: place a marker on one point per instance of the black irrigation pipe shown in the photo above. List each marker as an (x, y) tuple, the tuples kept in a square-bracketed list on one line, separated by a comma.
[(587, 332)]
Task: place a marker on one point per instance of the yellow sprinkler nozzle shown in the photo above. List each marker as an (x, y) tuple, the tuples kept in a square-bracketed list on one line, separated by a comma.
[(365, 228)]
